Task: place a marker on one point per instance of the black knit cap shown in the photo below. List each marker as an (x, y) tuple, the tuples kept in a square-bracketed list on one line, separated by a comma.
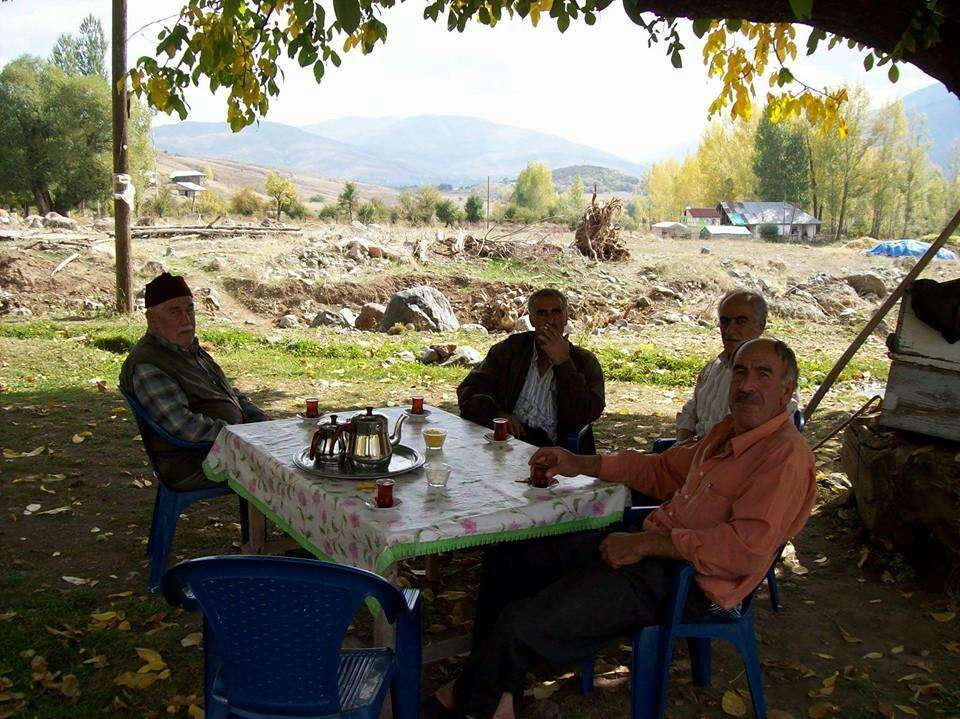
[(165, 287)]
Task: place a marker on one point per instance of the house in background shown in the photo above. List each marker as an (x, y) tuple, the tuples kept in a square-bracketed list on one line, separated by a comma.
[(790, 220), (672, 230), (724, 232), (698, 217), (188, 184)]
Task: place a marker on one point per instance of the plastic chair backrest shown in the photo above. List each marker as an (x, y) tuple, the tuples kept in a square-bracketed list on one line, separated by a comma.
[(278, 624), (148, 426)]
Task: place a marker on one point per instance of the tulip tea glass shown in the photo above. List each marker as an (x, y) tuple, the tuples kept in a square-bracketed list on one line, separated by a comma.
[(384, 493), (416, 405), (500, 433), (313, 407)]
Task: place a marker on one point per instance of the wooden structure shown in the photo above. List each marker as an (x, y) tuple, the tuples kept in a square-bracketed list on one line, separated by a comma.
[(923, 388)]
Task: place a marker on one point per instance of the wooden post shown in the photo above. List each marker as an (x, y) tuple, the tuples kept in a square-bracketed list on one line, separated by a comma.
[(487, 228), (879, 315), (121, 210)]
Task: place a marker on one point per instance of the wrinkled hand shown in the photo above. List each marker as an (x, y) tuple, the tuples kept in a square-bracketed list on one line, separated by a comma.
[(620, 549), (557, 461), (556, 346), (513, 424)]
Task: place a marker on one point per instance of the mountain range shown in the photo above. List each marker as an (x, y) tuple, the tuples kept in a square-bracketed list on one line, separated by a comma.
[(397, 152), (449, 149)]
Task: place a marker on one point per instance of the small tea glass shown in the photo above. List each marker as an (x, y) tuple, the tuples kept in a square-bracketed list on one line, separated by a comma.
[(434, 438), (437, 474), (312, 407), (384, 498), (416, 405)]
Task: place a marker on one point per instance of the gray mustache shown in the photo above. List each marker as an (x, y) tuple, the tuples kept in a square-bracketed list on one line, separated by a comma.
[(747, 398)]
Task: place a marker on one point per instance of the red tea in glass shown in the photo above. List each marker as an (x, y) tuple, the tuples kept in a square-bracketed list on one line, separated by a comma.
[(384, 493), (500, 430), (313, 407), (538, 476), (416, 405)]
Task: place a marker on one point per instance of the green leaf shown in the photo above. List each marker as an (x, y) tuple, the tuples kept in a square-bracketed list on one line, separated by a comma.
[(318, 69), (868, 62), (816, 35), (589, 18), (734, 24), (348, 14), (701, 25), (893, 74), (563, 22), (802, 9), (632, 8), (676, 60)]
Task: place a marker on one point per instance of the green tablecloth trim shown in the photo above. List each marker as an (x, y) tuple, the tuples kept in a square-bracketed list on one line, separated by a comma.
[(405, 551), (239, 489)]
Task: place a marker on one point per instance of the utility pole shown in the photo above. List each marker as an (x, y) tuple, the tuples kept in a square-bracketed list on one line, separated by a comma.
[(487, 229), (121, 207)]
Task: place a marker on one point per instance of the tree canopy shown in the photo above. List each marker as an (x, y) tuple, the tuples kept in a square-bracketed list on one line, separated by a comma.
[(235, 44)]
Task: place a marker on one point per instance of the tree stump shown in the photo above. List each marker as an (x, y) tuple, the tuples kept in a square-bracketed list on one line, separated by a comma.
[(907, 488)]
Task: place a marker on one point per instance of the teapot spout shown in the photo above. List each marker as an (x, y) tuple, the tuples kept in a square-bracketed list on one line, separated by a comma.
[(397, 431)]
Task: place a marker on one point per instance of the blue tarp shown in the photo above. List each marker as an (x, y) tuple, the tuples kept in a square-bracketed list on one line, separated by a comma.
[(908, 248)]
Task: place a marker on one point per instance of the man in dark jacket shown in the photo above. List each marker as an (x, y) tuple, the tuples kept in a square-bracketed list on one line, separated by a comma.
[(544, 386), (179, 385)]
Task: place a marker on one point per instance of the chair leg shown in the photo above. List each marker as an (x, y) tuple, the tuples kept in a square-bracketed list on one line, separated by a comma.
[(153, 518), (647, 687), (747, 645), (700, 661), (244, 522), (586, 676), (774, 591), (166, 513)]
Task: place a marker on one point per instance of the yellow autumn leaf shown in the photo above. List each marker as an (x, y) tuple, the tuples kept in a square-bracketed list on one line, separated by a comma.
[(192, 640), (907, 710), (847, 637), (821, 710), (154, 662), (103, 616), (135, 680), (943, 616), (77, 438), (733, 704), (70, 686), (897, 649), (194, 712), (547, 689), (873, 655)]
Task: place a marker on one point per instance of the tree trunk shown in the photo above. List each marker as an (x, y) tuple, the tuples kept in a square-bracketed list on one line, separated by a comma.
[(42, 198), (843, 208), (813, 175)]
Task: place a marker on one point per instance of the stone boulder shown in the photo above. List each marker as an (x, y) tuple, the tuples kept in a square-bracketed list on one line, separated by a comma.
[(348, 316), (423, 306), (55, 221), (152, 268), (326, 318), (288, 322), (473, 327), (34, 222), (523, 324), (464, 356), (370, 316), (867, 284)]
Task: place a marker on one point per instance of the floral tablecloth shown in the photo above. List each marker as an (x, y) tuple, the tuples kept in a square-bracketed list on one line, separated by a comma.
[(481, 504)]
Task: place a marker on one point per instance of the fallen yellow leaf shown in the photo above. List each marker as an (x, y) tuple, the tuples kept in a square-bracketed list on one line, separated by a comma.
[(821, 710), (907, 710), (136, 681), (847, 637), (70, 686), (733, 704), (547, 689), (897, 649), (194, 712), (873, 655), (943, 616), (192, 640)]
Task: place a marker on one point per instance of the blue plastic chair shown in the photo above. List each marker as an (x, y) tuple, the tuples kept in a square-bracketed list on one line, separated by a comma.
[(169, 505), (272, 635), (653, 652), (574, 439), (662, 445)]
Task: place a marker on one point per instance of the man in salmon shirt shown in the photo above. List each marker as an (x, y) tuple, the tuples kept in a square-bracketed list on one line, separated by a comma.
[(729, 500)]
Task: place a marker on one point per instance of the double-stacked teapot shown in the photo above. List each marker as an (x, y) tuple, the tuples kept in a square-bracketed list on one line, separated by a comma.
[(363, 440)]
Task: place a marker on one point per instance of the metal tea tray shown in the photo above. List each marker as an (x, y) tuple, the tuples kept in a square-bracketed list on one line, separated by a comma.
[(403, 459)]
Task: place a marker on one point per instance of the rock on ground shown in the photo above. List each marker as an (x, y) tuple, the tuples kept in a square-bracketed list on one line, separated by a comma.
[(463, 357), (370, 316), (326, 318), (867, 284), (288, 322), (423, 306), (54, 221)]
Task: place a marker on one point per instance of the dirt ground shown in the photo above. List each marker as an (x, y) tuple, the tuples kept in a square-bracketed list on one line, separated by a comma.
[(866, 632)]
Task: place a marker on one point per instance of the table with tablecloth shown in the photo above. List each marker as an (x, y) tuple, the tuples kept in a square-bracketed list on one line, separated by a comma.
[(481, 504)]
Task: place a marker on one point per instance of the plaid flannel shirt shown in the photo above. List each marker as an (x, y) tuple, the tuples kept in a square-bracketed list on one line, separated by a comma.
[(168, 405)]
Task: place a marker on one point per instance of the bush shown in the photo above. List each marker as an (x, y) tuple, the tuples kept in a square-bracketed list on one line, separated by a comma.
[(318, 198), (330, 211), (246, 202), (769, 232), (296, 210), (161, 203), (447, 212), (473, 209), (210, 203), (373, 211)]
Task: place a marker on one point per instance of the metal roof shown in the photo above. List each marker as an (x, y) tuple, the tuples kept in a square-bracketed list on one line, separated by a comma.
[(725, 230), (758, 213), (703, 212), (190, 186)]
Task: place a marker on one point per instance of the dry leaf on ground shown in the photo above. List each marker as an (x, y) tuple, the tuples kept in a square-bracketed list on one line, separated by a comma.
[(733, 704)]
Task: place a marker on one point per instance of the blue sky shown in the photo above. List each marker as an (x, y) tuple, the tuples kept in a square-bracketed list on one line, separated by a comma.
[(601, 85)]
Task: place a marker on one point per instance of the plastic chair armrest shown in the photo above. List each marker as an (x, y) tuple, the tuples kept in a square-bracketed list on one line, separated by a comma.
[(636, 514), (412, 598)]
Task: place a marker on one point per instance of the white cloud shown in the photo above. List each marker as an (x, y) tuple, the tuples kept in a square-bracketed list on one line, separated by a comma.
[(599, 85)]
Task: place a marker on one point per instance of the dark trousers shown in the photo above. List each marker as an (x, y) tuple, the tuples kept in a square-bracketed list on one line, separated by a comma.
[(555, 601)]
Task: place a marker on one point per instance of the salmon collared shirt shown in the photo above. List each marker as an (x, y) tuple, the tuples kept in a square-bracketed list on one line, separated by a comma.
[(729, 500)]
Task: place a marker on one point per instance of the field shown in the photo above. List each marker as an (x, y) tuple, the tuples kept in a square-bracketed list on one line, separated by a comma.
[(864, 634)]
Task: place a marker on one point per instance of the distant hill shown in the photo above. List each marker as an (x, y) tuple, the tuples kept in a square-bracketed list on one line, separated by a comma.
[(271, 144), (604, 178), (426, 149), (941, 110)]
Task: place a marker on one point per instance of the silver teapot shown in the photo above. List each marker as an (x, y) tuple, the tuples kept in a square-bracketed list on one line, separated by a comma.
[(368, 443), (328, 444)]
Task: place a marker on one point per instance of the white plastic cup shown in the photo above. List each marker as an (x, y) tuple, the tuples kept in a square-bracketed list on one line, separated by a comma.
[(437, 474)]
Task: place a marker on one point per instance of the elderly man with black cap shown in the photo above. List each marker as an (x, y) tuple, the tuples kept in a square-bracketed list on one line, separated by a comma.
[(179, 385)]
